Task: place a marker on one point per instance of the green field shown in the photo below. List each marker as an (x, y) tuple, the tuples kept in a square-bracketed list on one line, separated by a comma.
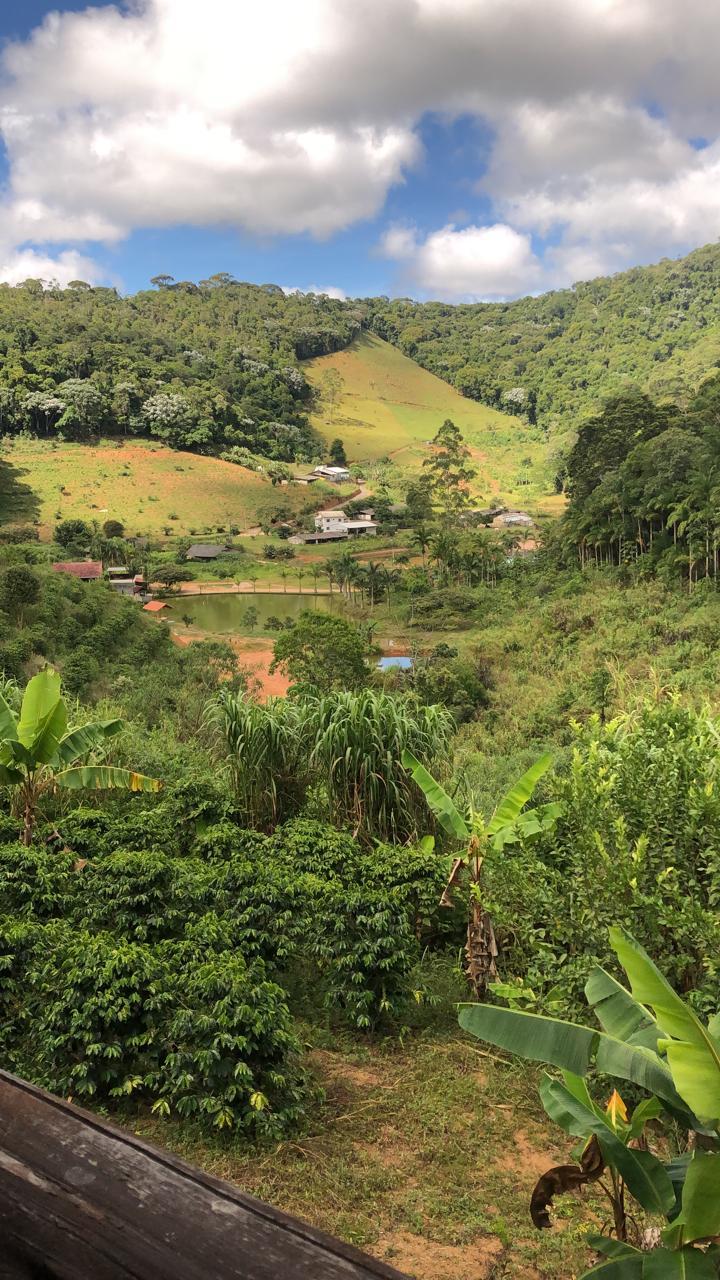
[(389, 406), (148, 487)]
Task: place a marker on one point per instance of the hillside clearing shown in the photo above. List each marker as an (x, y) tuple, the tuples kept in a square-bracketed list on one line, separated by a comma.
[(389, 406), (147, 487)]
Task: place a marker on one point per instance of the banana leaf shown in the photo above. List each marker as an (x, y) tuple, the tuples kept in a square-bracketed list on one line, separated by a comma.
[(699, 1218), (572, 1047), (618, 1012), (693, 1054), (40, 704), (517, 797), (680, 1264), (625, 1266), (100, 777), (643, 1173), (8, 723), (78, 742), (622, 1261), (438, 800)]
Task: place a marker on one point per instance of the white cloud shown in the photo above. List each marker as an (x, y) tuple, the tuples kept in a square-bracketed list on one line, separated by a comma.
[(299, 116), (474, 262), (325, 290), (25, 264)]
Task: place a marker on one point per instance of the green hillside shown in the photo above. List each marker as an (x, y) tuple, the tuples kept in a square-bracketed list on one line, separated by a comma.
[(558, 355), (389, 406)]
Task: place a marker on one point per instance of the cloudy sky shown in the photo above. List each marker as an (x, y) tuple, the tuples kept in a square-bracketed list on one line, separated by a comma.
[(452, 149)]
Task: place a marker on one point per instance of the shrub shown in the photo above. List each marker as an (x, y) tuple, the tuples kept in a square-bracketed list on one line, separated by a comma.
[(637, 845)]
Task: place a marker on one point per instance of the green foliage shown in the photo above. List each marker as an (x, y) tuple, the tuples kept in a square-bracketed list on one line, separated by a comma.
[(449, 470), (358, 750), (324, 652), (268, 748), (38, 753), (641, 486), (635, 845), (649, 1036), (224, 355), (552, 357), (73, 533)]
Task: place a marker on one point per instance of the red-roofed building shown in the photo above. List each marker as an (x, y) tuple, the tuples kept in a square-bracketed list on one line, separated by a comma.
[(85, 570), (155, 606)]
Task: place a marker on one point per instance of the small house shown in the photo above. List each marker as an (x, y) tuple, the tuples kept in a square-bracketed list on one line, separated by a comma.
[(336, 522), (336, 475), (85, 570), (155, 606)]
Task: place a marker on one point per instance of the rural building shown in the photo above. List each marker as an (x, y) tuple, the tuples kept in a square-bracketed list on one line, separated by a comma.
[(332, 535), (155, 606), (85, 570), (336, 521), (204, 551), (510, 518), (306, 479), (336, 475)]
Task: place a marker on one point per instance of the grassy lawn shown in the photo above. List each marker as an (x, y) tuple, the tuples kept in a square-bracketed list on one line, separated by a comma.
[(148, 487), (424, 1154), (390, 406)]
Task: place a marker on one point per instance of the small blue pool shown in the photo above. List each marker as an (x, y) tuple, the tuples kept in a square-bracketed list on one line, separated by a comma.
[(403, 663)]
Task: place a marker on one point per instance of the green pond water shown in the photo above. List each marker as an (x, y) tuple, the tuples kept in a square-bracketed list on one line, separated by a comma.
[(224, 614)]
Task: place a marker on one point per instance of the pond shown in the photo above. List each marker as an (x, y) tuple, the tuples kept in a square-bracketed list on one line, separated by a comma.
[(224, 614)]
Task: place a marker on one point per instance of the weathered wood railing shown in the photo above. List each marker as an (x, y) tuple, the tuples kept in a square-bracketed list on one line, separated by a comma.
[(83, 1200)]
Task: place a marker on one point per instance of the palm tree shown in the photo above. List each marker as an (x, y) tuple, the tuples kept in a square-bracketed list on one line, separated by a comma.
[(421, 538), (284, 576), (300, 574), (38, 754), (374, 578), (253, 576), (315, 572), (328, 568)]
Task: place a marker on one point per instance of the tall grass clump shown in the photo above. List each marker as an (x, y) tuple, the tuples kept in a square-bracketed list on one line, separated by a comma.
[(359, 739), (268, 746)]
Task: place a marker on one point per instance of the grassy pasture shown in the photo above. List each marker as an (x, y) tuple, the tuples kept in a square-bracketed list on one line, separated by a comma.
[(147, 487), (389, 406)]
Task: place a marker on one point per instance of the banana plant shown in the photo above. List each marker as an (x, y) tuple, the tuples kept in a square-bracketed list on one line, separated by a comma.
[(38, 753), (648, 1035), (510, 823)]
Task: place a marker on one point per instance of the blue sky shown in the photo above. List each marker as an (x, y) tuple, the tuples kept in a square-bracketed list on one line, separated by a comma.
[(452, 149)]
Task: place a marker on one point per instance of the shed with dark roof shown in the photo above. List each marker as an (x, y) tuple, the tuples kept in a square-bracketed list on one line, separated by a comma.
[(204, 551)]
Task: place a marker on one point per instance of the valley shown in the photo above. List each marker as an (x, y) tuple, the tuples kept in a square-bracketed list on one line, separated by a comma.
[(282, 867)]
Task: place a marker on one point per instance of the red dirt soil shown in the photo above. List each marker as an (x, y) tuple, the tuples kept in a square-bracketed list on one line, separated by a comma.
[(255, 655)]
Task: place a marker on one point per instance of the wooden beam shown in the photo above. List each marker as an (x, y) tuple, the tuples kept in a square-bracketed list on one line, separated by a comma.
[(81, 1199)]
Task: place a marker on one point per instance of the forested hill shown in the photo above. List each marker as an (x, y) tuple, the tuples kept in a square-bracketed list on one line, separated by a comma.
[(198, 366), (220, 363), (559, 355)]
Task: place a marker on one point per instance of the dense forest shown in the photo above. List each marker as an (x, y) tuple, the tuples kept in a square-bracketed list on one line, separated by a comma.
[(219, 364), (553, 357), (206, 367)]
